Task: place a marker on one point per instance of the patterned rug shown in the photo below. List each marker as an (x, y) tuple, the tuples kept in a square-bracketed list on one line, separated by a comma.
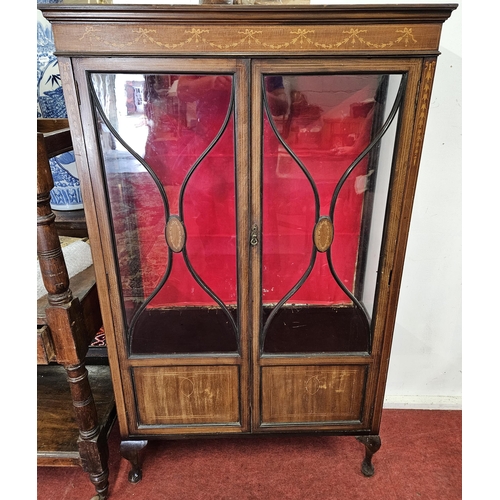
[(99, 339)]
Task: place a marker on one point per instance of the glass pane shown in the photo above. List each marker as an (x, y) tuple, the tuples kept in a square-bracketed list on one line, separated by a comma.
[(167, 143), (324, 195)]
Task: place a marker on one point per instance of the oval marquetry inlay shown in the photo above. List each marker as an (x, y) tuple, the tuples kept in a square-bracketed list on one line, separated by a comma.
[(323, 234), (175, 234), (314, 384), (187, 387)]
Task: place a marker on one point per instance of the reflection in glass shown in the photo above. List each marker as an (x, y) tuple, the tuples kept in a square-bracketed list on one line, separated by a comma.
[(320, 170), (168, 154)]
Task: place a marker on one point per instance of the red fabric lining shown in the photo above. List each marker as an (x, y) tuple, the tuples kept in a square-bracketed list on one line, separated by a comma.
[(288, 206)]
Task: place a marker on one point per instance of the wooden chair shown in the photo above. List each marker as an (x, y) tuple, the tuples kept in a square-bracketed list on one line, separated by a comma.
[(75, 402)]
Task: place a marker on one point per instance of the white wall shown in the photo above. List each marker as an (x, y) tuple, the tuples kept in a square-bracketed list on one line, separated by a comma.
[(426, 363)]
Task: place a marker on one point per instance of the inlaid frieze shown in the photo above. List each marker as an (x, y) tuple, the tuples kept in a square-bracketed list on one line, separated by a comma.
[(157, 39)]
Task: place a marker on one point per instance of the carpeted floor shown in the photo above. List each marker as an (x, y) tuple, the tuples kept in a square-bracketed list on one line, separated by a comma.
[(420, 458)]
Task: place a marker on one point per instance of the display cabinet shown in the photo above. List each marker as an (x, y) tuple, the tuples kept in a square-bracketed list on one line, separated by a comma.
[(248, 175)]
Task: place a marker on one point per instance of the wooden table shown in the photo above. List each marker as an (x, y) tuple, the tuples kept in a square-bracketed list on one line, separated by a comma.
[(71, 223)]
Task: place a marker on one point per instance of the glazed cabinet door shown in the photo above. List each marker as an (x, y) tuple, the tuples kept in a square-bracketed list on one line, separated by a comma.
[(324, 155), (248, 215), (170, 139)]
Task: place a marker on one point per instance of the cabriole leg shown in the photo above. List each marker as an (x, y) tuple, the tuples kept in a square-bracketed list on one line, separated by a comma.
[(372, 445), (132, 451)]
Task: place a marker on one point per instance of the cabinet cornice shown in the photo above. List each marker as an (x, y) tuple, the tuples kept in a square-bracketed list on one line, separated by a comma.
[(227, 14)]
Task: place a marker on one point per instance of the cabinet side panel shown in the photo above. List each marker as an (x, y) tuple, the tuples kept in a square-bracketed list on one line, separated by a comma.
[(412, 134)]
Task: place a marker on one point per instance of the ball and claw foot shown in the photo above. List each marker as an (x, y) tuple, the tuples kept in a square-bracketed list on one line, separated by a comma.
[(372, 445)]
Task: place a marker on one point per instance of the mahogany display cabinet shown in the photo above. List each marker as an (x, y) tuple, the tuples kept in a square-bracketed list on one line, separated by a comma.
[(248, 174)]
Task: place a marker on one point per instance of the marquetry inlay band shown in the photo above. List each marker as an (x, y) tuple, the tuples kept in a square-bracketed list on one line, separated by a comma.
[(246, 38), (429, 69)]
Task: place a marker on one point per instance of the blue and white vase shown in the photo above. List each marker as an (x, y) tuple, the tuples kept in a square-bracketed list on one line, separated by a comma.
[(66, 194)]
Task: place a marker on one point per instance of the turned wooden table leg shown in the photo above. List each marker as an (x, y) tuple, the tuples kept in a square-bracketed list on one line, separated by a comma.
[(372, 445), (92, 443), (101, 485), (132, 451), (65, 318)]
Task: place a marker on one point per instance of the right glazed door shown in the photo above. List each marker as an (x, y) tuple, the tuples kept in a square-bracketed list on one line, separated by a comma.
[(323, 153)]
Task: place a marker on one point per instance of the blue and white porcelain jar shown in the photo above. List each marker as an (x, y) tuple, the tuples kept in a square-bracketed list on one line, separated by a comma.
[(66, 194)]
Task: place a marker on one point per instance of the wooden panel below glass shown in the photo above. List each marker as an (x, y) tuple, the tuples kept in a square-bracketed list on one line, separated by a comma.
[(187, 395), (305, 394)]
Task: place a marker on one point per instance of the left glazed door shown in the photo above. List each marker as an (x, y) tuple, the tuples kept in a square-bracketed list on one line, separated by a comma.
[(169, 168)]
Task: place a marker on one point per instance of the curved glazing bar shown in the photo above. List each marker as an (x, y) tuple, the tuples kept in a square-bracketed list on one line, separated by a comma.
[(164, 198), (290, 151), (310, 267), (167, 144), (377, 138), (139, 158), (373, 143), (209, 148), (207, 289), (146, 302), (278, 306), (332, 128), (191, 171)]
